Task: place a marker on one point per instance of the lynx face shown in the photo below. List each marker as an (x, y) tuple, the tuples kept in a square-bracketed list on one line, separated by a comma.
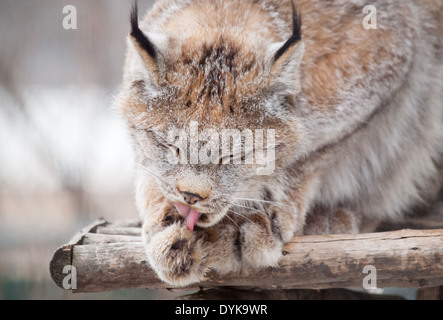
[(209, 117)]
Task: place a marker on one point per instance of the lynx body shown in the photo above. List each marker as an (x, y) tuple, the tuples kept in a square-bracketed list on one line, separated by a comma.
[(357, 114)]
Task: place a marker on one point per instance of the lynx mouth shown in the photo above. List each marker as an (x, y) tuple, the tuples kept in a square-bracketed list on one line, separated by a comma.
[(195, 218), (190, 214)]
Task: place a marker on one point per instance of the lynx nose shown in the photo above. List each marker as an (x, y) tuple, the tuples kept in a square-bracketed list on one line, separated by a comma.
[(191, 198)]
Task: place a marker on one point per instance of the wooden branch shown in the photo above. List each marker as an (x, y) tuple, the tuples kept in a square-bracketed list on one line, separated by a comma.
[(63, 255), (110, 256)]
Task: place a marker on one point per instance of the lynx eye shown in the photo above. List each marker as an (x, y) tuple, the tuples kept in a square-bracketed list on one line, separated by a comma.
[(230, 159), (225, 159), (175, 150)]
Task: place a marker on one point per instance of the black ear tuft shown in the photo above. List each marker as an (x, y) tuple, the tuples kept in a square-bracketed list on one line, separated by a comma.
[(138, 35), (296, 33)]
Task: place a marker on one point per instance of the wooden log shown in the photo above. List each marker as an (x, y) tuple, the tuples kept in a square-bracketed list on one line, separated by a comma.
[(127, 231), (97, 238), (128, 223), (62, 257), (405, 258)]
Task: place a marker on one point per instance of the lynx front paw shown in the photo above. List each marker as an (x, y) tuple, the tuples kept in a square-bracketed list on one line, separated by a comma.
[(176, 254), (182, 257), (259, 246)]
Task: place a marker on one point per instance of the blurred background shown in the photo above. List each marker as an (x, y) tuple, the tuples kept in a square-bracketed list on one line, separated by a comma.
[(65, 156)]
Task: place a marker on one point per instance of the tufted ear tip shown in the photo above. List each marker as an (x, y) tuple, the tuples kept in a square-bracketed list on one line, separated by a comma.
[(295, 37), (146, 54), (285, 59), (143, 44)]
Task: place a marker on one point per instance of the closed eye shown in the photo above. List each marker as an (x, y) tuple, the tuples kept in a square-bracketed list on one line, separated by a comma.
[(158, 140), (225, 159), (175, 150), (230, 159)]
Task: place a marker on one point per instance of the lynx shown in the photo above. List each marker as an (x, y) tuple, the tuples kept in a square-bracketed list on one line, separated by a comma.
[(357, 115)]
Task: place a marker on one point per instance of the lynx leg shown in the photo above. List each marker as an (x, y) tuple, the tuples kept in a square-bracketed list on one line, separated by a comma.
[(326, 221)]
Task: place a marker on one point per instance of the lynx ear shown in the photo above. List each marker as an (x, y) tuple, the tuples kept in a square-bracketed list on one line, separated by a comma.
[(287, 58), (146, 52)]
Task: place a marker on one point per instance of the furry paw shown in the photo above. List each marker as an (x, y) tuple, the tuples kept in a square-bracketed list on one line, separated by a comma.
[(176, 254), (260, 247), (182, 257), (238, 244)]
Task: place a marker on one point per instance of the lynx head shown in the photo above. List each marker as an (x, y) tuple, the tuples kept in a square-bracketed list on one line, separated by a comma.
[(212, 111)]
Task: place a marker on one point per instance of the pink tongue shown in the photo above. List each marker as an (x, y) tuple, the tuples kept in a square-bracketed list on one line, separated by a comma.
[(189, 214), (183, 209), (192, 219)]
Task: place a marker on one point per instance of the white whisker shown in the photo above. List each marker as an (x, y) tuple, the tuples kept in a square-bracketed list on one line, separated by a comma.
[(264, 201), (245, 217), (249, 208), (164, 187), (150, 171), (232, 220)]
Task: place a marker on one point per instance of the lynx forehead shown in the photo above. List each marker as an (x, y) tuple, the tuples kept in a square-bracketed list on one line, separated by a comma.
[(357, 115), (213, 74)]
